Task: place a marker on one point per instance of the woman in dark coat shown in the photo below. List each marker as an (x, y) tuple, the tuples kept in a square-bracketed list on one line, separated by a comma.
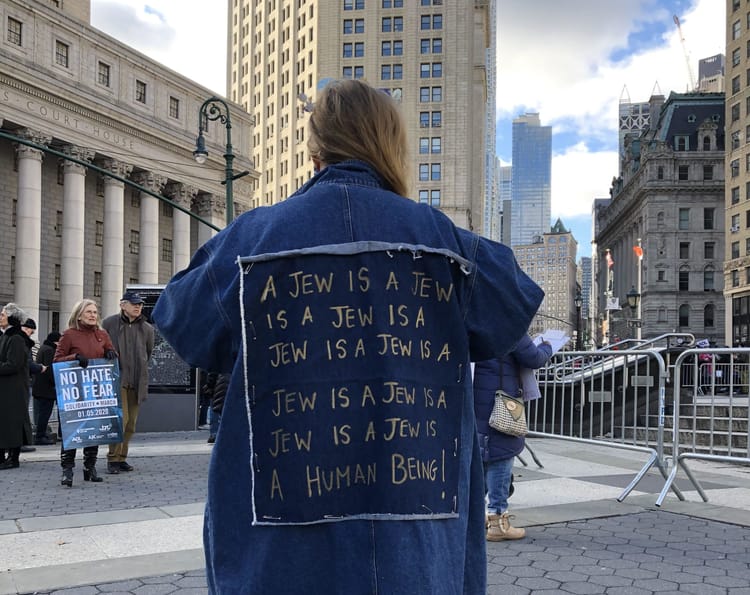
[(498, 449), (15, 429), (43, 388)]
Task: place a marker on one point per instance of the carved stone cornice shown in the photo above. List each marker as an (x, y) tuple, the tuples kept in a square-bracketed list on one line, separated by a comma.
[(119, 168), (208, 204), (81, 153), (34, 136)]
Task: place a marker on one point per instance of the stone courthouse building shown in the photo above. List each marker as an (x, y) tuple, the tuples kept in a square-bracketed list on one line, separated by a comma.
[(70, 232)]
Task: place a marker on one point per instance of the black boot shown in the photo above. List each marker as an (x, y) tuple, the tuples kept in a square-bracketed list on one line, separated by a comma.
[(67, 477), (12, 461), (90, 474)]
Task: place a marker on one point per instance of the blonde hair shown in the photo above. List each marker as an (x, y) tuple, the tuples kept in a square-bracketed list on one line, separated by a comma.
[(78, 309), (351, 120)]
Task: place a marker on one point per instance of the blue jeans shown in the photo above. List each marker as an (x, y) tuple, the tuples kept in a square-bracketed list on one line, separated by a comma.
[(214, 419), (497, 476)]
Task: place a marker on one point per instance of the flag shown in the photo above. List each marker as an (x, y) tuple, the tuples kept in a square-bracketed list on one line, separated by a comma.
[(638, 251), (610, 262)]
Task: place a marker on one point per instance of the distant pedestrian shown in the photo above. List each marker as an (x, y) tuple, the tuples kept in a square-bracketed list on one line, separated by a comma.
[(499, 450), (84, 339), (43, 388), (133, 338), (15, 429)]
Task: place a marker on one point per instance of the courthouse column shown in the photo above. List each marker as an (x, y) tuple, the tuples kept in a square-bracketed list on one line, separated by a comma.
[(29, 222), (183, 195), (114, 236), (212, 209), (148, 254), (74, 214)]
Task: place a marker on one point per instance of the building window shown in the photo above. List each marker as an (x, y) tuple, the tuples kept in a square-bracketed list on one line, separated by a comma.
[(437, 94), (437, 119), (348, 51), (62, 53), (661, 276), (58, 276), (734, 167), (424, 172), (348, 26), (708, 218), (398, 72), (736, 139), (735, 250), (708, 316), (174, 107), (424, 196), (682, 172), (102, 74), (747, 246), (735, 195), (435, 171), (14, 213), (708, 280), (166, 250), (735, 85), (385, 72), (435, 198), (359, 49), (348, 4), (99, 234), (683, 219), (684, 315), (424, 119), (386, 25), (97, 284), (424, 145), (424, 94), (58, 224), (735, 112), (437, 46), (708, 250), (660, 173), (15, 31), (736, 30), (736, 57), (347, 72), (735, 278), (359, 72), (135, 241), (140, 91), (359, 25), (681, 143), (708, 172), (12, 269), (684, 278), (436, 145), (684, 250)]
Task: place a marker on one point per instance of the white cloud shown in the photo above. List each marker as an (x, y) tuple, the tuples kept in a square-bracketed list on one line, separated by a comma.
[(578, 176), (189, 36)]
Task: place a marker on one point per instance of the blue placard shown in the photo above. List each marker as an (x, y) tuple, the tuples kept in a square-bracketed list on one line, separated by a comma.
[(88, 400)]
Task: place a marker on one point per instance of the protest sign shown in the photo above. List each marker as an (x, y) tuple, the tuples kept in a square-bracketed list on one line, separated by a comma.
[(88, 400)]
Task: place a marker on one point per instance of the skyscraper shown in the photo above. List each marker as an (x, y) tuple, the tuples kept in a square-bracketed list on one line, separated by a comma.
[(429, 55), (532, 174)]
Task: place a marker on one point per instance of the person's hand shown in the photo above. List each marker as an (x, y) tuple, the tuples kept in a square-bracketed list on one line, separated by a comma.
[(83, 361), (110, 354)]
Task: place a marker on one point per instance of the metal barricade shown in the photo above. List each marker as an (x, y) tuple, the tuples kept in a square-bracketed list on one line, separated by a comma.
[(610, 397), (715, 424)]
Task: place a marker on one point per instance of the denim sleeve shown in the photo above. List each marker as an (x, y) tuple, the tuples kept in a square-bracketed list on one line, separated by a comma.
[(503, 301), (529, 355), (195, 310)]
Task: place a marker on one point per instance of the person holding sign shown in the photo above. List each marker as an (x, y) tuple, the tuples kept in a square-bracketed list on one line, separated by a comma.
[(15, 429), (498, 449), (347, 315), (84, 339)]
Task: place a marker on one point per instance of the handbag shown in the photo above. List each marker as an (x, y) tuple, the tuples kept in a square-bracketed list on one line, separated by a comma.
[(508, 415)]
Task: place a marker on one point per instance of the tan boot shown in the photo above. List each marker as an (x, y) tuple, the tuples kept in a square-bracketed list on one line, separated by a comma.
[(500, 529)]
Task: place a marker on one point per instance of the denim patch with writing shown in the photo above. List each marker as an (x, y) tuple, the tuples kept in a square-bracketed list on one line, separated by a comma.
[(354, 384)]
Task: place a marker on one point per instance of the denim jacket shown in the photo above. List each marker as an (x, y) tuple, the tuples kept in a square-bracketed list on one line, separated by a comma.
[(346, 461)]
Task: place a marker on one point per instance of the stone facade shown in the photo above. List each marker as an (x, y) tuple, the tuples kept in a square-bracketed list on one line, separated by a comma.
[(671, 198), (71, 232)]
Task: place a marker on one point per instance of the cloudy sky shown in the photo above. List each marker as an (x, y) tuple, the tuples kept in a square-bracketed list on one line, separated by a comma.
[(569, 60)]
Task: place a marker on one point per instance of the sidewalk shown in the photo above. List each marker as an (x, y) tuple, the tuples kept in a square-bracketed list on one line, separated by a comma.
[(140, 532)]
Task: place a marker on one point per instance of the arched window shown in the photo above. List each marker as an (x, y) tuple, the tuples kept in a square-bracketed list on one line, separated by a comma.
[(684, 315), (708, 316)]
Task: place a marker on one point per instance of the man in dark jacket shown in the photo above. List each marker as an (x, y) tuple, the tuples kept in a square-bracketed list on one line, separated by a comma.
[(133, 338)]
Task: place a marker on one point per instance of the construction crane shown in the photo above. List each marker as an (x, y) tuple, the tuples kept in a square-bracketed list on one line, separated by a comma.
[(691, 76)]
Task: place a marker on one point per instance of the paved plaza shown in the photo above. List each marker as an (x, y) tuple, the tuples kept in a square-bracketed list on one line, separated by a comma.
[(140, 532)]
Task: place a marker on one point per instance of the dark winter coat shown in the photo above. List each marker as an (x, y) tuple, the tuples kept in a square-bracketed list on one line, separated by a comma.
[(134, 342), (43, 386), (503, 373), (15, 429)]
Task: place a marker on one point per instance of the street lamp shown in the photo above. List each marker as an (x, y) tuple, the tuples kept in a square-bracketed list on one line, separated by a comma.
[(578, 301), (212, 110), (633, 298)]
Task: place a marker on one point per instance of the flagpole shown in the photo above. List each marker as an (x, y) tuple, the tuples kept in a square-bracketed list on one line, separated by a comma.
[(608, 294), (640, 292)]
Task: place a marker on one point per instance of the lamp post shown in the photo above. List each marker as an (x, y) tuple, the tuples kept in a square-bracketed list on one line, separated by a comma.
[(578, 301), (215, 108), (634, 299)]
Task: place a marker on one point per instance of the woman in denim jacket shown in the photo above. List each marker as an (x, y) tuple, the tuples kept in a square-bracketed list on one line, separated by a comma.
[(347, 460)]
